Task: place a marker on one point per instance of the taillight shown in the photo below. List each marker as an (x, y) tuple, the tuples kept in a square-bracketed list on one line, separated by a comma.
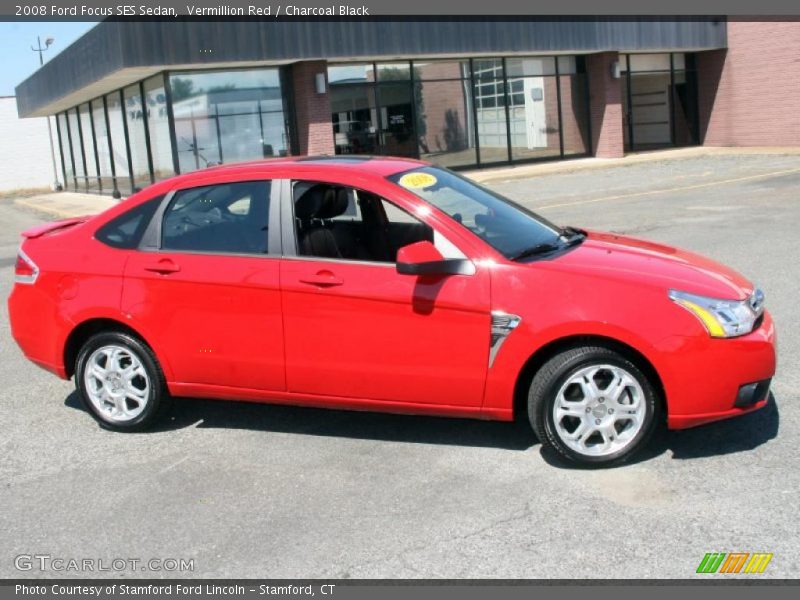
[(25, 270)]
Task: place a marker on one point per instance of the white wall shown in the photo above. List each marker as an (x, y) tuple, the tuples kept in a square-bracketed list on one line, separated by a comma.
[(24, 150)]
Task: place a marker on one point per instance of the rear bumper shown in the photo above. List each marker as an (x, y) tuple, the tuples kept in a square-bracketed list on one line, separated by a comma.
[(34, 323), (708, 380)]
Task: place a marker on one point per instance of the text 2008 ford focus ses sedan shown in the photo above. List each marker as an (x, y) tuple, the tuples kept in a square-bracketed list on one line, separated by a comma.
[(386, 284)]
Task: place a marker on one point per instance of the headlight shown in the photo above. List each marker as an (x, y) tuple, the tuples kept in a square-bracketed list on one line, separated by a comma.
[(723, 318)]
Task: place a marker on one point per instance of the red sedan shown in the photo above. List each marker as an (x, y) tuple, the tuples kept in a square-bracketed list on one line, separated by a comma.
[(386, 284)]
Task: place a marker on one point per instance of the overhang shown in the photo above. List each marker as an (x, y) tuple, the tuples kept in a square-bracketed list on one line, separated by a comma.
[(116, 53)]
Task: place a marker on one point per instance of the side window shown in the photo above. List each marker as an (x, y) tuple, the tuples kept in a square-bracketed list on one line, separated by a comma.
[(126, 230), (340, 222), (227, 218)]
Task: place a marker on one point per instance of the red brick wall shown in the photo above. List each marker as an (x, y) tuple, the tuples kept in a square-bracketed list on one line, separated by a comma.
[(573, 113), (312, 110), (605, 106), (749, 95)]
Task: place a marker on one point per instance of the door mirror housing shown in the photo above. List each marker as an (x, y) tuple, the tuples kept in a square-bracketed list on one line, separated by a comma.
[(422, 258)]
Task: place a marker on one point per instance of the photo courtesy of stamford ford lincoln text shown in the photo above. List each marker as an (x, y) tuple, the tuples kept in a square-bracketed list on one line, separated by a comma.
[(399, 300)]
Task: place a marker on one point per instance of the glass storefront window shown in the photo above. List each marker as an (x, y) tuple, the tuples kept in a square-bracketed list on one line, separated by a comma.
[(136, 135), (228, 116), (660, 102), (530, 66), (69, 169), (533, 117), (355, 119), (354, 73), (158, 128), (77, 148), (116, 129), (487, 68), (397, 127), (461, 112), (567, 65), (92, 178), (102, 140), (396, 71), (492, 124), (638, 63), (441, 69), (445, 125)]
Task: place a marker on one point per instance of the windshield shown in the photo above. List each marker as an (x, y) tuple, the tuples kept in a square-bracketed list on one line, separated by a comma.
[(508, 227)]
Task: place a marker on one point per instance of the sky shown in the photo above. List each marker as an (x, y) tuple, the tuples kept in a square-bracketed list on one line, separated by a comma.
[(16, 39)]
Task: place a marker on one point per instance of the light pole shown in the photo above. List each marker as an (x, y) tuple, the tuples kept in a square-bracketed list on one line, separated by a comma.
[(47, 42)]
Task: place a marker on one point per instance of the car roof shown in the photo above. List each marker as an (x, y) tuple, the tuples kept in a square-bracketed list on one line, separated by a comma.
[(381, 166)]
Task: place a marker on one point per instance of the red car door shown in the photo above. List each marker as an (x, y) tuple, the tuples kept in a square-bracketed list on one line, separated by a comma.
[(208, 287), (356, 328)]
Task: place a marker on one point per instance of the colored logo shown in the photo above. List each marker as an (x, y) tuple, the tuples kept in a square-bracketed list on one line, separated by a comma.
[(734, 562)]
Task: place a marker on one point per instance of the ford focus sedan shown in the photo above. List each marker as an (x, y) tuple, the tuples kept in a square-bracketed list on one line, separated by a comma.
[(390, 285)]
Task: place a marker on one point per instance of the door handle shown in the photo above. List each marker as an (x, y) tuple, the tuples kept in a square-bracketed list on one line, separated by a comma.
[(163, 266), (322, 279)]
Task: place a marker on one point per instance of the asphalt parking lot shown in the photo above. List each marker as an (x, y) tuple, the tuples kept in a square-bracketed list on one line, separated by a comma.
[(268, 491)]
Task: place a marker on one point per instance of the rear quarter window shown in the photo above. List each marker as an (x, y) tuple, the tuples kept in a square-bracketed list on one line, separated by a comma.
[(126, 230)]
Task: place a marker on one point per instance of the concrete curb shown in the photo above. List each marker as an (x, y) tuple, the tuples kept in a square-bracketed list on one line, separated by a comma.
[(585, 164), (63, 205)]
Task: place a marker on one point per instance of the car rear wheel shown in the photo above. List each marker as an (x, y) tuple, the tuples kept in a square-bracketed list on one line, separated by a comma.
[(593, 406), (120, 382)]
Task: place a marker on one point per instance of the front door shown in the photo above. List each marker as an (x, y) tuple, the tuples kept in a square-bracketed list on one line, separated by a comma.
[(355, 328), (208, 289)]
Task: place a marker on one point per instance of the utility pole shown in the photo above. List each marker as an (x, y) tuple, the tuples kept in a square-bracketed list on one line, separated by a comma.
[(47, 42)]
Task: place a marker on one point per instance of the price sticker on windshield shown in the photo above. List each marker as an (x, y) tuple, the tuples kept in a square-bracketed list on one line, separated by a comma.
[(417, 180)]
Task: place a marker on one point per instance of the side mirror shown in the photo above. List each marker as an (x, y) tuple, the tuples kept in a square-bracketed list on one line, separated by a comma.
[(422, 258)]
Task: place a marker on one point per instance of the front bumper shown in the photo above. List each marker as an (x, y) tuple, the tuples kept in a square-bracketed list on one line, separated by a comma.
[(708, 379)]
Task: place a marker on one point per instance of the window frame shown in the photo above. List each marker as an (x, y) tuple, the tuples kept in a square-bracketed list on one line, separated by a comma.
[(151, 240), (289, 232)]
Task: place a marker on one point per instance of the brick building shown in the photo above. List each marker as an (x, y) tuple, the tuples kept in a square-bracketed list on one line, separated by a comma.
[(135, 102)]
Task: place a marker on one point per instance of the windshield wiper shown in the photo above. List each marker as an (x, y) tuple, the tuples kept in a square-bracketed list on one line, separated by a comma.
[(534, 250), (572, 235)]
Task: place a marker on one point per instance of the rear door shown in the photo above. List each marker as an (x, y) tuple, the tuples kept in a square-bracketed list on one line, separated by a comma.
[(206, 283), (355, 328)]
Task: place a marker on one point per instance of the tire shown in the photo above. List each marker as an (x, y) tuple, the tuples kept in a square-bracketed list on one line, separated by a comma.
[(593, 406), (120, 382)]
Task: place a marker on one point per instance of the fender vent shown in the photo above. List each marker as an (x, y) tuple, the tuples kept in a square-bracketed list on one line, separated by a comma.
[(502, 325)]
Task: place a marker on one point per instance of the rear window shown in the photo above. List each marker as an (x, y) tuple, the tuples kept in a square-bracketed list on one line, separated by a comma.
[(126, 230)]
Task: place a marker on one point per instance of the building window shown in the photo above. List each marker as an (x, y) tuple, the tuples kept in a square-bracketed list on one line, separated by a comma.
[(116, 129), (444, 113), (63, 136), (158, 128), (227, 116), (458, 113), (102, 143), (533, 107), (354, 109), (77, 149), (660, 95), (136, 135), (490, 109), (87, 139)]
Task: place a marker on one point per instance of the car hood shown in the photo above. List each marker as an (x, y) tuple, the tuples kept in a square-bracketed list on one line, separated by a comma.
[(640, 261)]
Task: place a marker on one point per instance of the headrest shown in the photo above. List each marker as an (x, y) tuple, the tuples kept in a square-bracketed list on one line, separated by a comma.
[(309, 203), (335, 203), (321, 202)]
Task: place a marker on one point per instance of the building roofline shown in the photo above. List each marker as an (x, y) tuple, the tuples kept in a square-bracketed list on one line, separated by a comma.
[(113, 53)]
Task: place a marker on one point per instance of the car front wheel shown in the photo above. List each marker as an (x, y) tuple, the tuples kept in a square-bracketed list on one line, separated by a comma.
[(593, 406), (120, 382)]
